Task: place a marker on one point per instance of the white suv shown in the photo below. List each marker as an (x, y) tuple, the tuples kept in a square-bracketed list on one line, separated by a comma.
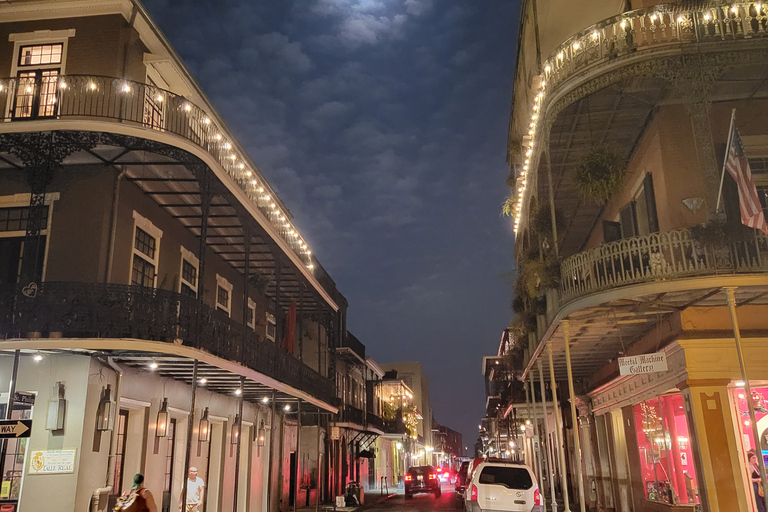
[(502, 486)]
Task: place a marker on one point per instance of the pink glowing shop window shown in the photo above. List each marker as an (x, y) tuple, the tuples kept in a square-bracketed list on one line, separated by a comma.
[(666, 456), (759, 396)]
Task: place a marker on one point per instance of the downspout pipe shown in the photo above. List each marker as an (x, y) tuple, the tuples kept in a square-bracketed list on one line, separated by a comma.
[(113, 227), (113, 442)]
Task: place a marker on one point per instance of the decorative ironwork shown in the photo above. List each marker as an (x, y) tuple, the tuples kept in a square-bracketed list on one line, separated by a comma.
[(657, 256), (80, 310), (125, 101)]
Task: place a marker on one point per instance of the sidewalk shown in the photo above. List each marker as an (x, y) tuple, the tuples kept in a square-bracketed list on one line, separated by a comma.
[(370, 498)]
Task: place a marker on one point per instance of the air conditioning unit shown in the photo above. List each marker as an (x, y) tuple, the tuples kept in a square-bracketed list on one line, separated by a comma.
[(271, 326)]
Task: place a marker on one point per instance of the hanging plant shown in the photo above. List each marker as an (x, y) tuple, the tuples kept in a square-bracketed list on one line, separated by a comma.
[(599, 175), (720, 232), (508, 208), (538, 275)]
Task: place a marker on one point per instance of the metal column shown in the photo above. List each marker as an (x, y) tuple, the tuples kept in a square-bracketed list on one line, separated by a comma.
[(729, 292), (550, 463), (269, 456), (239, 441), (560, 442), (190, 427), (537, 446), (574, 416), (298, 456)]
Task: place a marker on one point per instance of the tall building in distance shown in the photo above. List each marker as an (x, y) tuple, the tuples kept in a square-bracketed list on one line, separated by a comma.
[(412, 375)]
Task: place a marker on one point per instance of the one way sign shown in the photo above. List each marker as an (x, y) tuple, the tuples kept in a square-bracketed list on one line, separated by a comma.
[(15, 428)]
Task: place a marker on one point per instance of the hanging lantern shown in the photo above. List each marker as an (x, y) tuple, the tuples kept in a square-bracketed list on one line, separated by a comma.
[(235, 435), (261, 436), (204, 429), (162, 420), (105, 413)]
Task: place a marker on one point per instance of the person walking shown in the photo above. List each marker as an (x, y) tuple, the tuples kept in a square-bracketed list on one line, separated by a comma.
[(195, 491), (137, 498), (757, 485)]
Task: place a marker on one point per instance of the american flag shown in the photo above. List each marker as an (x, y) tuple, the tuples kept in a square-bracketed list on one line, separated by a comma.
[(738, 167)]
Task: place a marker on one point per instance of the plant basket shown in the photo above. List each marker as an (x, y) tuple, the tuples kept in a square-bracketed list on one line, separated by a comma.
[(599, 175)]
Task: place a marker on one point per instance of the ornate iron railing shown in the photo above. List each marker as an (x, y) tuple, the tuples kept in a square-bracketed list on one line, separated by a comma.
[(80, 310), (655, 27), (672, 254), (124, 101), (375, 421), (352, 415)]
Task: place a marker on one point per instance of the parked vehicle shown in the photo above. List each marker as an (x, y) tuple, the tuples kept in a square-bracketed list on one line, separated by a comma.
[(461, 479), (421, 479), (502, 485)]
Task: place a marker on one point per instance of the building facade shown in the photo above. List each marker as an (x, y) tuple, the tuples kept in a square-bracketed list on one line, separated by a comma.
[(627, 247), (154, 292)]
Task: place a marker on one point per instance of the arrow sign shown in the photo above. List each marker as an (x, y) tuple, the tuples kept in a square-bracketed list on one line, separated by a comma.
[(15, 428)]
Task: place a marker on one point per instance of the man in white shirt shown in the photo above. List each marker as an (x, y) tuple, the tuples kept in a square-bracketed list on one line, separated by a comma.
[(195, 491)]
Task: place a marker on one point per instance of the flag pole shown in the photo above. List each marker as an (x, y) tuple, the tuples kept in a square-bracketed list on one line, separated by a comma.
[(727, 151)]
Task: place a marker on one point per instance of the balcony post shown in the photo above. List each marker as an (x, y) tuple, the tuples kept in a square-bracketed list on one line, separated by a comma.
[(271, 451), (559, 431), (574, 416), (297, 476), (729, 293), (301, 322), (537, 445), (205, 210), (549, 461), (278, 306), (190, 428), (239, 442), (246, 284), (552, 203)]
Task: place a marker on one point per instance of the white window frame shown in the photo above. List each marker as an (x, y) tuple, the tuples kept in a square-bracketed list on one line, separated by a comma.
[(21, 201), (193, 260), (270, 321), (252, 309), (139, 221), (221, 282)]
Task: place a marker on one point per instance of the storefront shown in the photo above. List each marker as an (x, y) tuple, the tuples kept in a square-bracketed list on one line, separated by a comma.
[(744, 427)]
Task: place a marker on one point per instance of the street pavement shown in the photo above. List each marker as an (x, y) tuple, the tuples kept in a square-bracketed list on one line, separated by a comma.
[(419, 503)]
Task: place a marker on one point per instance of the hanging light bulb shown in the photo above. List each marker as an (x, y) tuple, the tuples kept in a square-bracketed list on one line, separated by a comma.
[(235, 435), (204, 428), (162, 420), (261, 434)]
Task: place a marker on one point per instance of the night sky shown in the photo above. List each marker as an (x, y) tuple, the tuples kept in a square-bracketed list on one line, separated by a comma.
[(382, 125)]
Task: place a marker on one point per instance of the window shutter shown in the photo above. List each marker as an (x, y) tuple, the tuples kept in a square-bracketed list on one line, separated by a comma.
[(628, 219), (650, 203), (611, 231)]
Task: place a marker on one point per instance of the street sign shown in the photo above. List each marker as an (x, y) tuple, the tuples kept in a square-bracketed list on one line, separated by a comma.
[(15, 428), (646, 363), (335, 433), (20, 397)]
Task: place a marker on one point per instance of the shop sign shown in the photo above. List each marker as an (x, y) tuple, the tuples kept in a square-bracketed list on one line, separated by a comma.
[(646, 363), (20, 397), (48, 462), (335, 433)]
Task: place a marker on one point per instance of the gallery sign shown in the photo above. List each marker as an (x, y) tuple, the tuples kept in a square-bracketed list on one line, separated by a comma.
[(646, 363), (48, 462)]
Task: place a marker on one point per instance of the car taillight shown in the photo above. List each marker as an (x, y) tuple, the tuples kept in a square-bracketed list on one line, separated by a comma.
[(408, 478), (473, 493), (432, 476), (536, 497)]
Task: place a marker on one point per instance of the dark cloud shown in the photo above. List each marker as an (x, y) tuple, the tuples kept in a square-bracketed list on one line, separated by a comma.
[(382, 125)]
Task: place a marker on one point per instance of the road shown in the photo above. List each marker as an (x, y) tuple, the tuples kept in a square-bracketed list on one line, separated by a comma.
[(420, 503)]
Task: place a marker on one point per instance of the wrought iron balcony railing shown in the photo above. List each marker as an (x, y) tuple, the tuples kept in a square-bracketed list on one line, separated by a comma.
[(672, 254), (352, 415), (374, 421), (654, 28), (117, 100), (80, 310)]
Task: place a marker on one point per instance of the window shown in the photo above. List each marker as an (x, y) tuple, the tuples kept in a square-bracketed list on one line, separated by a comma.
[(38, 69), (13, 227), (146, 247), (122, 436), (189, 269), (509, 477), (223, 295), (41, 54), (251, 318), (271, 327), (15, 219), (666, 456)]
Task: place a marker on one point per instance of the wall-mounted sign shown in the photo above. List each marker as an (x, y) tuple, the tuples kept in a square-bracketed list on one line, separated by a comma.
[(15, 428), (20, 397), (335, 433), (48, 462), (646, 363)]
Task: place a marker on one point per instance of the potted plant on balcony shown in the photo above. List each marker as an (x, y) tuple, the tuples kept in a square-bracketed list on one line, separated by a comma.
[(599, 175)]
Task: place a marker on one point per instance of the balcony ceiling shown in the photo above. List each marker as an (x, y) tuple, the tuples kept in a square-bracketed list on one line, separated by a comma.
[(170, 184), (617, 116), (601, 331)]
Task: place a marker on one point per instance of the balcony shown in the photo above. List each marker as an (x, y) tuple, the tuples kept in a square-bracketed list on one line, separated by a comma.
[(351, 414), (115, 100), (83, 310), (654, 29), (656, 257), (375, 421)]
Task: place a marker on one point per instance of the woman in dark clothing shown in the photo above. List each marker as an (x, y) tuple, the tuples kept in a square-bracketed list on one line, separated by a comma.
[(756, 483)]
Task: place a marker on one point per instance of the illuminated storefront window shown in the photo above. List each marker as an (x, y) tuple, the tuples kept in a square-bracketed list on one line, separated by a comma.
[(666, 457)]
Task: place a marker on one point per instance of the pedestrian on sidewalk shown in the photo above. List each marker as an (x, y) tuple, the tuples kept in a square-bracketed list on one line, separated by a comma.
[(757, 485), (137, 498), (195, 491)]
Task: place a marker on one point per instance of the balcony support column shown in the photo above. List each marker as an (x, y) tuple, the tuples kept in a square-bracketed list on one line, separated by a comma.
[(301, 322), (205, 210), (729, 293), (278, 306), (271, 451), (550, 463), (298, 456), (559, 431), (537, 444), (188, 447), (551, 188), (574, 416), (239, 420), (246, 285)]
